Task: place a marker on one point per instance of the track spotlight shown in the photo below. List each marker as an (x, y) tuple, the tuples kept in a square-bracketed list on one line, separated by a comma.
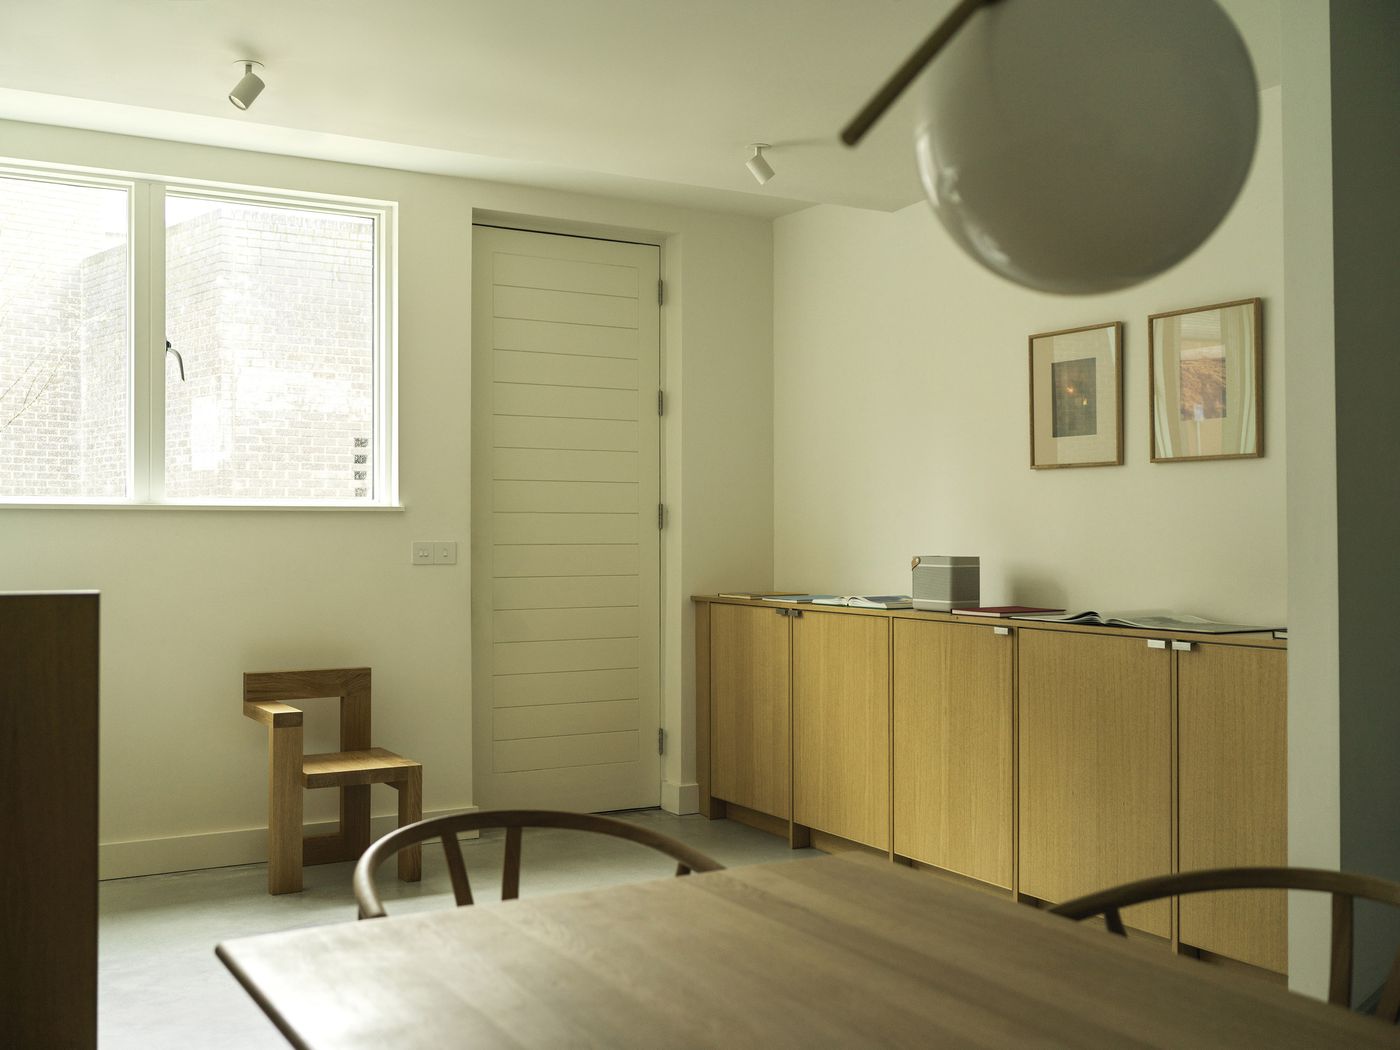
[(758, 167), (249, 88)]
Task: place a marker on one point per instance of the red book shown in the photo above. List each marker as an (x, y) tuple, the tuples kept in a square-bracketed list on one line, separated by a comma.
[(1002, 611)]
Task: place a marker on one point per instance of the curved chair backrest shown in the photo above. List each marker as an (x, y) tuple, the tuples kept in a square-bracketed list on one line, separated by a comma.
[(514, 821), (1343, 887)]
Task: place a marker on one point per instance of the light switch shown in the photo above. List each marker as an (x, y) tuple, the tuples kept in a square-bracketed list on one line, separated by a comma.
[(445, 553), (423, 552)]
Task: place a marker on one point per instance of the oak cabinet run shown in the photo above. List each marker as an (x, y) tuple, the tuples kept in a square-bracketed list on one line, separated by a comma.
[(953, 747), (841, 725), (1232, 717), (749, 680), (1049, 760), (1095, 754)]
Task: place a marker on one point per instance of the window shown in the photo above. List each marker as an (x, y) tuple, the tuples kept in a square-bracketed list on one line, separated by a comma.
[(276, 384), (65, 319)]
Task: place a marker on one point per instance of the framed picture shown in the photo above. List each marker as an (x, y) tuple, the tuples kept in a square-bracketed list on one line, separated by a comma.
[(1077, 397), (1207, 368)]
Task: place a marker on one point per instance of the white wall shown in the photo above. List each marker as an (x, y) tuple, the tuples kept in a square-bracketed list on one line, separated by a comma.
[(193, 598), (1314, 789), (901, 423)]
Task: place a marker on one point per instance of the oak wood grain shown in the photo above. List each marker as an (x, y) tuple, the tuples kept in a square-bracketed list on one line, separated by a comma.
[(373, 765), (952, 748), (275, 715), (1233, 714), (823, 952), (749, 705), (710, 808), (351, 771), (1254, 639), (840, 725), (1095, 768), (284, 810)]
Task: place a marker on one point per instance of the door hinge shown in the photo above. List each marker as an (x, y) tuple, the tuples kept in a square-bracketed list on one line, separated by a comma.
[(661, 515), (660, 402), (661, 741), (660, 292)]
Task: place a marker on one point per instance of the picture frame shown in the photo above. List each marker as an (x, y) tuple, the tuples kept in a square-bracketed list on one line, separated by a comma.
[(1076, 397), (1206, 369)]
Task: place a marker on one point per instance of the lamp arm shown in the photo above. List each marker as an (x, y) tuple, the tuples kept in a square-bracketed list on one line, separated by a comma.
[(905, 75)]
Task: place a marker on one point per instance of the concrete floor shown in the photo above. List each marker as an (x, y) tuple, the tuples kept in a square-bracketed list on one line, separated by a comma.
[(161, 986)]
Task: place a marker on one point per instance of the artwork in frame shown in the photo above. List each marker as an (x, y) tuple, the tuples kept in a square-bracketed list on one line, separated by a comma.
[(1207, 372), (1077, 397)]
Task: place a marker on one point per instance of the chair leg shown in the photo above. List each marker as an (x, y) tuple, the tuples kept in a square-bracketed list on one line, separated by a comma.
[(354, 820), (410, 812), (284, 809)]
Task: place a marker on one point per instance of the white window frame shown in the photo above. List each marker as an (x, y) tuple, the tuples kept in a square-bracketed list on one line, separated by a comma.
[(146, 357)]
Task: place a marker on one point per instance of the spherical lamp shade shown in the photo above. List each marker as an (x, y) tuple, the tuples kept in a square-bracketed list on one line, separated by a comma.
[(1079, 146)]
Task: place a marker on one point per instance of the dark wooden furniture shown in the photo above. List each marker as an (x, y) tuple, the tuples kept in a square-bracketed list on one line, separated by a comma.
[(48, 881), (514, 821), (823, 952), (1343, 887), (352, 769)]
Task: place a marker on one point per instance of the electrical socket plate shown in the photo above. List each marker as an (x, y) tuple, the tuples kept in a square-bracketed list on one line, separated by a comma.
[(444, 553), (423, 552)]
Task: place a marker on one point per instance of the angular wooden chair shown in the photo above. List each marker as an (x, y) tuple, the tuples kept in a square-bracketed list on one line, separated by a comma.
[(514, 821), (1343, 887), (352, 769)]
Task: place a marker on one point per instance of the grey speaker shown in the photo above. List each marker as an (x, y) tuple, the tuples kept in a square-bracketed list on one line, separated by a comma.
[(943, 582)]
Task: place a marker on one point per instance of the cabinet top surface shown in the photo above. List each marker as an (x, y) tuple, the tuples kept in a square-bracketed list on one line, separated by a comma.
[(1257, 640)]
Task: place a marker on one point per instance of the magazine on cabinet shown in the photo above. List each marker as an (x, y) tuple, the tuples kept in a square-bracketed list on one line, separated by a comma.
[(1149, 620)]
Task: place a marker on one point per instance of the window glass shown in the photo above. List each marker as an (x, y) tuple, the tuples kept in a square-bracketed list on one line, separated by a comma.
[(273, 311), (65, 340)]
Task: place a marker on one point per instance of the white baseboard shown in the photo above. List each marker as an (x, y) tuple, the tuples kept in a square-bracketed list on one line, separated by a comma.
[(680, 798), (214, 849)]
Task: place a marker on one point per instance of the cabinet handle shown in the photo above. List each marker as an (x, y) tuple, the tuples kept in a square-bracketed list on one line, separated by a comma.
[(1182, 647), (1001, 630), (1156, 643), (782, 612), (797, 613)]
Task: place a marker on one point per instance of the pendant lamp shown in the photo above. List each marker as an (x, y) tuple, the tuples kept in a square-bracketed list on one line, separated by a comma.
[(1080, 146)]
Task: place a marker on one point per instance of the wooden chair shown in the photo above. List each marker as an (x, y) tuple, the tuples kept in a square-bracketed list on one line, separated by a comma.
[(514, 821), (352, 769), (1343, 887)]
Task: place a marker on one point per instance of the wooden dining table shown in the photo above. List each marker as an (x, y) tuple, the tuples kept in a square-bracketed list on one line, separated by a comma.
[(843, 950)]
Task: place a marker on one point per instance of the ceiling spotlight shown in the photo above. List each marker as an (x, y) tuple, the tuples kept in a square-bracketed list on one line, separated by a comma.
[(249, 88), (758, 167)]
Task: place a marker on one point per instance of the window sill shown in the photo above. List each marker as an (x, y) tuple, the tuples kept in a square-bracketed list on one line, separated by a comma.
[(128, 505)]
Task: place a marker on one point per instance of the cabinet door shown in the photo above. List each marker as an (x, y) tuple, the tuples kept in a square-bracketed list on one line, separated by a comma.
[(749, 680), (841, 725), (952, 748), (1233, 714), (1095, 767)]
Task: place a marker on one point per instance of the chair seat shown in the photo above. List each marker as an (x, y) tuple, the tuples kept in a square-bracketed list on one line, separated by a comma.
[(350, 768)]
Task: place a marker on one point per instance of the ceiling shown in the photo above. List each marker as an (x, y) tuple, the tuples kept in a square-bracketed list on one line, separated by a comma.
[(650, 99)]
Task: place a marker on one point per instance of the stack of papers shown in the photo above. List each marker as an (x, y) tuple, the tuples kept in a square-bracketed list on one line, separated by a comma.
[(1149, 620)]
